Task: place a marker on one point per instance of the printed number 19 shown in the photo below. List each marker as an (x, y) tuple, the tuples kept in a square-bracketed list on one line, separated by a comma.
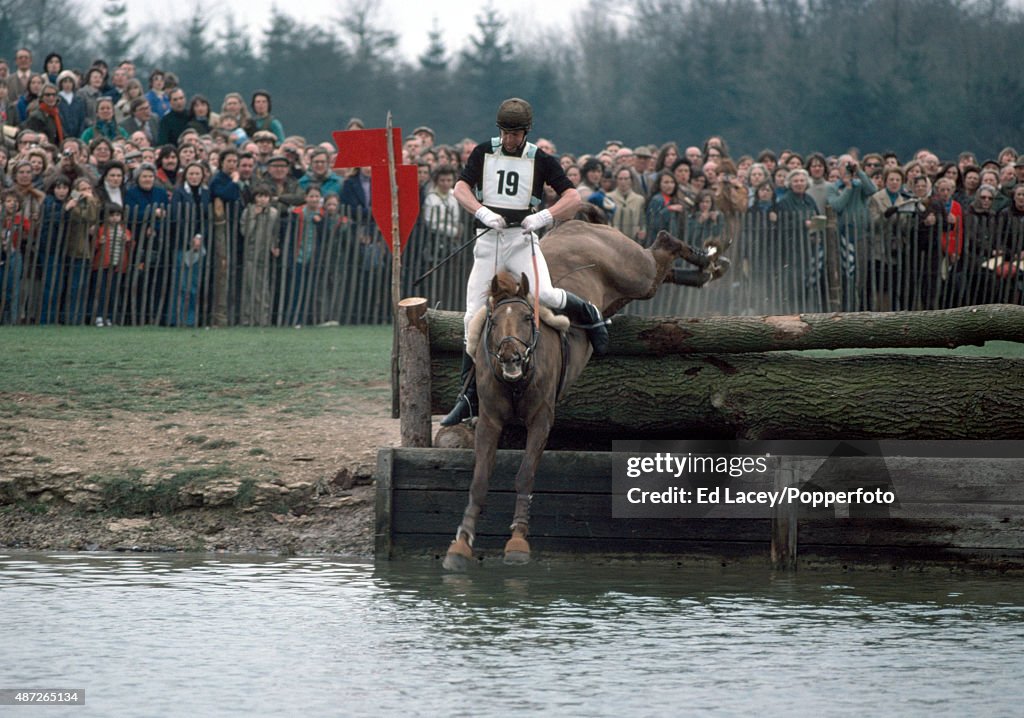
[(508, 183)]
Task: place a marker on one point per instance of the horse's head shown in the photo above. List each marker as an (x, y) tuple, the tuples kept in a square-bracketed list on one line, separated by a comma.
[(512, 330)]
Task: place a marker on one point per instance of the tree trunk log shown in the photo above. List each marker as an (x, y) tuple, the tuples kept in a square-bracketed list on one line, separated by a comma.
[(783, 396), (414, 372), (644, 336)]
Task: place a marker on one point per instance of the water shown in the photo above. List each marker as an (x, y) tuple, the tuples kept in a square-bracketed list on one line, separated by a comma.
[(153, 635)]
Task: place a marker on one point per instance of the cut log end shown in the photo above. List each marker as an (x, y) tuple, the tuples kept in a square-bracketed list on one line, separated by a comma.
[(460, 436)]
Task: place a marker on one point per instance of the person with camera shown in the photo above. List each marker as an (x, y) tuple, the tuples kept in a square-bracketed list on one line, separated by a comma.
[(849, 197), (69, 166)]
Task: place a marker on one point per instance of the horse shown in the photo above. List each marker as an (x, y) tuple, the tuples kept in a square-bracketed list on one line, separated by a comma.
[(524, 365)]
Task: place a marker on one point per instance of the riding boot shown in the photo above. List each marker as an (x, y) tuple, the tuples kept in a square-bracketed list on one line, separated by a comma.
[(587, 316), (697, 257), (465, 405)]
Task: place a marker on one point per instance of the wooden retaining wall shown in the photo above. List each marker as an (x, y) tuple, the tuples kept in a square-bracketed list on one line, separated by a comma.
[(968, 513)]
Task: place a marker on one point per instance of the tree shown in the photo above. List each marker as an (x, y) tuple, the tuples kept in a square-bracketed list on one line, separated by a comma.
[(42, 24), (370, 45), (115, 41), (236, 58), (194, 62), (435, 58), (488, 66)]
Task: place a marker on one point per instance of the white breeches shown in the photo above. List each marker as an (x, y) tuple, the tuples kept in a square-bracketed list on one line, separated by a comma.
[(508, 250)]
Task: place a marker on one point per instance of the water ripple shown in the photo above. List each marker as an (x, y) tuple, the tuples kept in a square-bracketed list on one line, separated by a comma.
[(212, 635)]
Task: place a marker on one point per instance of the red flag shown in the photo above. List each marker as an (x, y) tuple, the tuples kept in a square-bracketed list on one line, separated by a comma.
[(368, 148)]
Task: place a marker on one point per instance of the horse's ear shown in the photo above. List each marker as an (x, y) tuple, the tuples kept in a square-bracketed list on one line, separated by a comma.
[(524, 285), (494, 285)]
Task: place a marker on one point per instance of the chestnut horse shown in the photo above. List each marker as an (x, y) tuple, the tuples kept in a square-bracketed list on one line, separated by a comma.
[(519, 358)]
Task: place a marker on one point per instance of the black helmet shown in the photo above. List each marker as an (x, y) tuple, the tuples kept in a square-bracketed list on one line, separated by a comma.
[(515, 114)]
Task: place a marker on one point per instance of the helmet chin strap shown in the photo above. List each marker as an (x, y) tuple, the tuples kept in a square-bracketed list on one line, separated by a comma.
[(519, 149)]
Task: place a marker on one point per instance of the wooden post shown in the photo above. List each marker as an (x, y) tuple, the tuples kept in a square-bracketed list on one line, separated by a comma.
[(396, 272), (414, 372), (382, 525), (832, 266), (784, 523)]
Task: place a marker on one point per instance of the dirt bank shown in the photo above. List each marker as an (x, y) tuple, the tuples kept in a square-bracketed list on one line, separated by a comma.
[(272, 482)]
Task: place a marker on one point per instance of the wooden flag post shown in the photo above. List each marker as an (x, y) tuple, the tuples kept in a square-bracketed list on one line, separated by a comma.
[(394, 205), (396, 272)]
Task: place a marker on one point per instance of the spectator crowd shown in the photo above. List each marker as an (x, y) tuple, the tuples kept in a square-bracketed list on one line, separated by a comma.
[(127, 199)]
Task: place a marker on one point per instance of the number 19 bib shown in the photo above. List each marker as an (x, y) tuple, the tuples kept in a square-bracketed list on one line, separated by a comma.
[(507, 182)]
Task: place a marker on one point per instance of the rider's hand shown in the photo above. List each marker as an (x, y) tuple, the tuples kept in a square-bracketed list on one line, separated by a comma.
[(536, 221), (491, 219)]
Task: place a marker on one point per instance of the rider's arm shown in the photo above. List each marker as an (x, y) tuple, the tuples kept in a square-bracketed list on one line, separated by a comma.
[(567, 205), (466, 197)]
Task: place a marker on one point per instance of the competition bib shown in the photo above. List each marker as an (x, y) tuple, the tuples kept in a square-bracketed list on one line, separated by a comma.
[(507, 182)]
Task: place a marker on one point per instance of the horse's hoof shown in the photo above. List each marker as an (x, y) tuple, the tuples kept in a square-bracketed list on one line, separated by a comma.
[(516, 558), (459, 556), (517, 551)]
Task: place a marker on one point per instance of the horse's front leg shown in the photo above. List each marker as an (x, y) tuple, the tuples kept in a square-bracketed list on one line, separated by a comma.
[(460, 552), (517, 548)]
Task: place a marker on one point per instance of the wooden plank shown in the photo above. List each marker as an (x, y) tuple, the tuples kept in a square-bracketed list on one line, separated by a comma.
[(382, 541), (964, 534), (917, 556), (923, 479), (784, 526), (452, 469), (558, 522), (421, 495), (960, 511), (436, 544)]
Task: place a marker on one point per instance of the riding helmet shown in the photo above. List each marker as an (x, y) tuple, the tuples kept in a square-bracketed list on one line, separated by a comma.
[(515, 114)]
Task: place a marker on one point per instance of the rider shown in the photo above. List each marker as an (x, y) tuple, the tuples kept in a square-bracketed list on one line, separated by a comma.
[(501, 184)]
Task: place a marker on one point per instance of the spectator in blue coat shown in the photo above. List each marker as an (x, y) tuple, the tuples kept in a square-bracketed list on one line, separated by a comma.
[(72, 106)]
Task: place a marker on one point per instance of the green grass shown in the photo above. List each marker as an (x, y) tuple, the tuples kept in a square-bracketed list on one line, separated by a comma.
[(53, 371)]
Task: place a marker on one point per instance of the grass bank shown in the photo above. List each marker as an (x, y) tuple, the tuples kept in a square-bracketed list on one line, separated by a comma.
[(51, 371)]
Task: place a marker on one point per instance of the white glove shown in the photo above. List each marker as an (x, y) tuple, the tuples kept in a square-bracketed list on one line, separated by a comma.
[(491, 219), (536, 221)]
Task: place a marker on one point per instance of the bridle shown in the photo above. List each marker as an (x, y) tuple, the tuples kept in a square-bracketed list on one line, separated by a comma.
[(523, 351)]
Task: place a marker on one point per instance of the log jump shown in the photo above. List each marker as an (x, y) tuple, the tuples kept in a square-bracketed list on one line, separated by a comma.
[(755, 378)]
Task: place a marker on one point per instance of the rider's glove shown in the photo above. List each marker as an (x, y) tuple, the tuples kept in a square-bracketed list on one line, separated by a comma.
[(536, 221), (490, 219)]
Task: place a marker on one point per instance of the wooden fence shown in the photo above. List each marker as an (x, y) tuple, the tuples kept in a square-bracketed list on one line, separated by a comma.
[(340, 271)]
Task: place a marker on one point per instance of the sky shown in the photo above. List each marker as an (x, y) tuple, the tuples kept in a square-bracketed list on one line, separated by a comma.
[(409, 19)]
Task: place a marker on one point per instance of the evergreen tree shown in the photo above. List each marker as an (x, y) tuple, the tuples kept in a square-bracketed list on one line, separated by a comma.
[(370, 45), (488, 69), (116, 41), (194, 62), (371, 85), (435, 58), (236, 61), (38, 24), (305, 69)]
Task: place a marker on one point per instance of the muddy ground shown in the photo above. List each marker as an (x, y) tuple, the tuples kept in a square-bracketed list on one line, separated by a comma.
[(267, 482)]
